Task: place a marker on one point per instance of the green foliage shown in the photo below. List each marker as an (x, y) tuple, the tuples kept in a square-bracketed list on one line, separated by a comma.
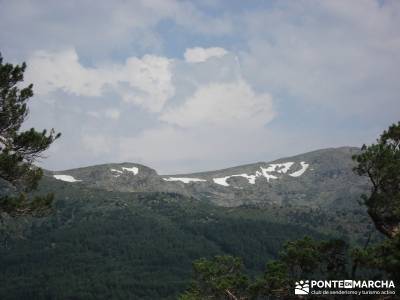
[(306, 258), (19, 149), (219, 278), (384, 256), (381, 163), (22, 205), (112, 245), (301, 257), (275, 281)]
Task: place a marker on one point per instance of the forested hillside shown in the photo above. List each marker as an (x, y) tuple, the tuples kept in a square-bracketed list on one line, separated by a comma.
[(99, 244)]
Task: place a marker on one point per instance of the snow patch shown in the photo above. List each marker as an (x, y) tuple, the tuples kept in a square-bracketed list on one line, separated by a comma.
[(250, 178), (265, 172), (300, 172), (67, 178), (134, 170), (282, 167), (221, 180), (184, 179), (279, 168)]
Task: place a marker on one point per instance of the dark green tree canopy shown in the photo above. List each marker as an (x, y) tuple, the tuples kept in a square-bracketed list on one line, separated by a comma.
[(19, 149), (331, 259), (219, 278), (381, 163)]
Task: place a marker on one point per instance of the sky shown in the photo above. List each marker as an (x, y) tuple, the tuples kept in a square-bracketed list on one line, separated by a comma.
[(186, 86)]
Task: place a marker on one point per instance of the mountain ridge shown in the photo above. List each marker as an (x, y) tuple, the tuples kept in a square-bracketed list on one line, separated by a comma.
[(205, 171), (318, 178), (121, 229)]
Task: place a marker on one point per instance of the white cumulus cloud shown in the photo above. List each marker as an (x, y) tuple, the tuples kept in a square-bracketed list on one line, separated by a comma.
[(198, 54), (341, 55), (149, 81), (142, 81), (232, 104)]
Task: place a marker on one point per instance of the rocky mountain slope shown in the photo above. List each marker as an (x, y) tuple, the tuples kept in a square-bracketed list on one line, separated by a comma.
[(122, 231), (322, 178)]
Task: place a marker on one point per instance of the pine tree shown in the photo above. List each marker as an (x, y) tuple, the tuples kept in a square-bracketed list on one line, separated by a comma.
[(308, 258), (218, 278), (19, 149), (381, 163)]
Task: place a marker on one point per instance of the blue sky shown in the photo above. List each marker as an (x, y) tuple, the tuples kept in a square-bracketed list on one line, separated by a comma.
[(186, 86)]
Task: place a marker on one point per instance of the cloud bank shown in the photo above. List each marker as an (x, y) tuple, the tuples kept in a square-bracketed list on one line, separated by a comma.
[(189, 85), (223, 105), (144, 81), (199, 54)]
